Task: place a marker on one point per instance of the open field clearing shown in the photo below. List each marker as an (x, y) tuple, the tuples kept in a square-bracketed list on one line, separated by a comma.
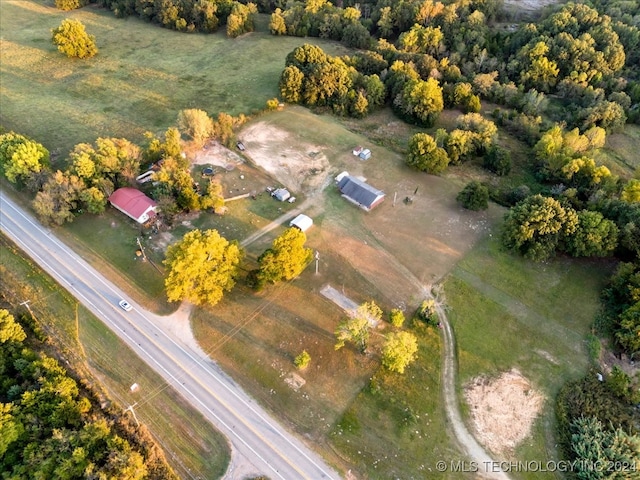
[(509, 313), (142, 76), (192, 446), (620, 153)]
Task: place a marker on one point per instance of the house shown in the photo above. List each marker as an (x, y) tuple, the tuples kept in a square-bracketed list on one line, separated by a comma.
[(281, 194), (365, 154), (360, 193), (301, 222), (134, 204)]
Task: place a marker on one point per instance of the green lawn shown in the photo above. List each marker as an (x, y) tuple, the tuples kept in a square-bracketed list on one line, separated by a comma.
[(192, 446), (508, 312)]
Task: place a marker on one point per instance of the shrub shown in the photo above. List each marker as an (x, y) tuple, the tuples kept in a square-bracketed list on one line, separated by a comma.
[(427, 313), (497, 160), (396, 318), (302, 361), (474, 196)]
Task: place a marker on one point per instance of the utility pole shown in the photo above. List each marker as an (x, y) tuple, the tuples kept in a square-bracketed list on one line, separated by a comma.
[(130, 408), (395, 194), (144, 256), (26, 304), (317, 259)]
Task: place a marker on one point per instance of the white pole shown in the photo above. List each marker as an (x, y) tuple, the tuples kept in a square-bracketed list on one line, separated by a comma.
[(317, 259)]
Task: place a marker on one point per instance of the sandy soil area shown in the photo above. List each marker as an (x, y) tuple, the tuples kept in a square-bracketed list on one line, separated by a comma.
[(503, 410), (299, 166)]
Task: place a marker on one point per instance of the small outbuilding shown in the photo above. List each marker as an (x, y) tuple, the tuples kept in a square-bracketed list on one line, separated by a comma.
[(301, 222), (357, 151), (365, 154), (360, 193), (134, 204), (281, 194)]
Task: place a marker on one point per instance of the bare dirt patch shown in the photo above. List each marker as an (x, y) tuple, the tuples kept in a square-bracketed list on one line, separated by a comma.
[(298, 165), (503, 410), (216, 154), (295, 381), (528, 5)]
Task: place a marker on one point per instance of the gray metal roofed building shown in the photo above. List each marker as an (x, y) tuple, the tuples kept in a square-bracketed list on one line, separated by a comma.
[(360, 193)]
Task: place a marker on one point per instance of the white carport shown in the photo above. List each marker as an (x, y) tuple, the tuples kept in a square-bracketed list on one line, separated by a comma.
[(302, 222)]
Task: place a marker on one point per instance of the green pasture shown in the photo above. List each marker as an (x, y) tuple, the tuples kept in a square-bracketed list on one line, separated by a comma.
[(508, 312), (141, 78), (192, 446), (620, 153)]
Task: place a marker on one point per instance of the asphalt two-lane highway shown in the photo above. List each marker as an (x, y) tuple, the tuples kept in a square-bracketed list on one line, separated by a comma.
[(252, 433)]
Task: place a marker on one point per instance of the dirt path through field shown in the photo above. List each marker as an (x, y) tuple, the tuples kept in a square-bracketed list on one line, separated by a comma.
[(487, 466)]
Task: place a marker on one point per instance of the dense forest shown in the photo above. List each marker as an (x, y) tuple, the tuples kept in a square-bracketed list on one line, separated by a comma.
[(52, 425)]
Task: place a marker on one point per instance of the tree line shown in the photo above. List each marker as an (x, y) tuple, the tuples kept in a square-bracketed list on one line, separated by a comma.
[(51, 426), (205, 16), (586, 59)]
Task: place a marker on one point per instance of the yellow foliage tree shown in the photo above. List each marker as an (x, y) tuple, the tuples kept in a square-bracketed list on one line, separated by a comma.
[(202, 266)]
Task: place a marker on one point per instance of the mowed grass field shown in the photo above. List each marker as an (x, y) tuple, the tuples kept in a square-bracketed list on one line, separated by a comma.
[(509, 313), (192, 446), (141, 78)]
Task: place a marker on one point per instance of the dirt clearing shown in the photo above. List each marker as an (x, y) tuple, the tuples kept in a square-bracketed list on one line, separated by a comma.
[(298, 165), (528, 5), (503, 410)]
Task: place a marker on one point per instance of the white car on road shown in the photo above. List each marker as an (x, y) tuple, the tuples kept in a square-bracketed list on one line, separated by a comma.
[(125, 305)]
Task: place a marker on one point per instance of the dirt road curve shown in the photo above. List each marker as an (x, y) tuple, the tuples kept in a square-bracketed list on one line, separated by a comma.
[(486, 464)]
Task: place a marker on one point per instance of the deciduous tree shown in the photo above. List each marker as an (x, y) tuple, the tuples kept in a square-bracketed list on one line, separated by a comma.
[(67, 5), (10, 330), (424, 154), (21, 157), (202, 266), (72, 39), (399, 351), (474, 196), (421, 101), (595, 236), (196, 124), (355, 329), (58, 202), (497, 160), (535, 226), (286, 259)]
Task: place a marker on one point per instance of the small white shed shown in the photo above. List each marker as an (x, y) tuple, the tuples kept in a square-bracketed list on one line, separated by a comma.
[(281, 194), (365, 154), (302, 222)]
